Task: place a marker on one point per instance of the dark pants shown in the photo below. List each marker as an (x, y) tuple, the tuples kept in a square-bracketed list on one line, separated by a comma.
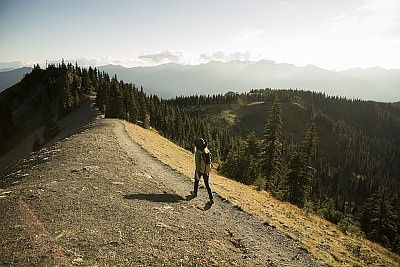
[(206, 178)]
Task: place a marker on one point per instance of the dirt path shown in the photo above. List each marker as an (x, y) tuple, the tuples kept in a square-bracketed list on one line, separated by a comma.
[(97, 198)]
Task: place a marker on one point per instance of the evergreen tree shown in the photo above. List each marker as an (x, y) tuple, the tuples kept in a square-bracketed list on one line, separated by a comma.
[(75, 88), (65, 101), (295, 190), (271, 149), (301, 174), (234, 166), (101, 96), (308, 147), (379, 218), (143, 115), (115, 105), (251, 158), (133, 109)]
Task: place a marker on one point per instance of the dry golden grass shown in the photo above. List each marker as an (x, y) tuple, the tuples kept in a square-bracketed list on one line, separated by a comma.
[(322, 238)]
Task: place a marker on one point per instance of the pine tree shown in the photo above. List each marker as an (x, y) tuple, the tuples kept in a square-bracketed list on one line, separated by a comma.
[(271, 150), (143, 115), (75, 87), (301, 172), (133, 109), (379, 218), (115, 105), (234, 166), (64, 102), (86, 83), (251, 157), (101, 96), (308, 147)]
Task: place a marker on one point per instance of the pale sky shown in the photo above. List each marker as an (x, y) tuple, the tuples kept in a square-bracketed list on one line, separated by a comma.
[(331, 34)]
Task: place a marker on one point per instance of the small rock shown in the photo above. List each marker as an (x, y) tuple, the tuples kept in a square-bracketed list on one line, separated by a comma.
[(267, 213), (114, 243), (5, 193), (60, 235), (77, 261), (162, 225)]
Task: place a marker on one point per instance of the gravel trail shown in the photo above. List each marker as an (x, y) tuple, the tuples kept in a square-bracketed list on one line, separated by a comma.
[(98, 199)]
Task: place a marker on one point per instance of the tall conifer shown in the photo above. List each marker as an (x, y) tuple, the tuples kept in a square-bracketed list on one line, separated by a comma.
[(271, 158)]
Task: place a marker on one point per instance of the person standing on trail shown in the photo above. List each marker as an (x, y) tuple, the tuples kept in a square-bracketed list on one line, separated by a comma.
[(203, 167)]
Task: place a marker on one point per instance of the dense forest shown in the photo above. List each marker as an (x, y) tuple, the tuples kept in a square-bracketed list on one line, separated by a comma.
[(333, 156)]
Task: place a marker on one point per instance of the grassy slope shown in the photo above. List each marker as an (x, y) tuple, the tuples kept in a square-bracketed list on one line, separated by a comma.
[(319, 236)]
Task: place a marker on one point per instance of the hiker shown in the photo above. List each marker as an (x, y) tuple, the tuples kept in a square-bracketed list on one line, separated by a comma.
[(203, 167)]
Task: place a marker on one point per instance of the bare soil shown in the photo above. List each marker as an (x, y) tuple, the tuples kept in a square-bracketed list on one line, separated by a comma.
[(98, 199)]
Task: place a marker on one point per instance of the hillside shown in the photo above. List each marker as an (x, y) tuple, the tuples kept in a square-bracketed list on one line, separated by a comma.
[(32, 110), (170, 80), (97, 198)]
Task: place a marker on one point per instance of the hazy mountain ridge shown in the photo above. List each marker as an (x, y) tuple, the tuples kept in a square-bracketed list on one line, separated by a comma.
[(172, 79), (10, 77)]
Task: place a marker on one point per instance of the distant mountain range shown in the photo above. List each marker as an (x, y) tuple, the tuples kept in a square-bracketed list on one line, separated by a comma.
[(170, 80), (10, 77)]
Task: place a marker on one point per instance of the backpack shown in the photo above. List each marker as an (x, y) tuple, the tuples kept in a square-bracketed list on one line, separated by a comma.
[(206, 162)]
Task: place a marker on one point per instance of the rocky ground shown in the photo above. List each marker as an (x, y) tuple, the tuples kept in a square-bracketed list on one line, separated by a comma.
[(97, 198)]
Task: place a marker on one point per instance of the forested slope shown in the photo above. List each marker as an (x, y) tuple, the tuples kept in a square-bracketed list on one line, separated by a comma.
[(356, 167)]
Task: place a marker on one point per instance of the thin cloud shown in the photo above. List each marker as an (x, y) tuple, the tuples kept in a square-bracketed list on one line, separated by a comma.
[(225, 57), (375, 17), (162, 57), (148, 59), (15, 64)]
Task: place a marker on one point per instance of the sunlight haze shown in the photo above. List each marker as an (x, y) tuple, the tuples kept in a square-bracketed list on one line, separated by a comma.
[(329, 34)]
